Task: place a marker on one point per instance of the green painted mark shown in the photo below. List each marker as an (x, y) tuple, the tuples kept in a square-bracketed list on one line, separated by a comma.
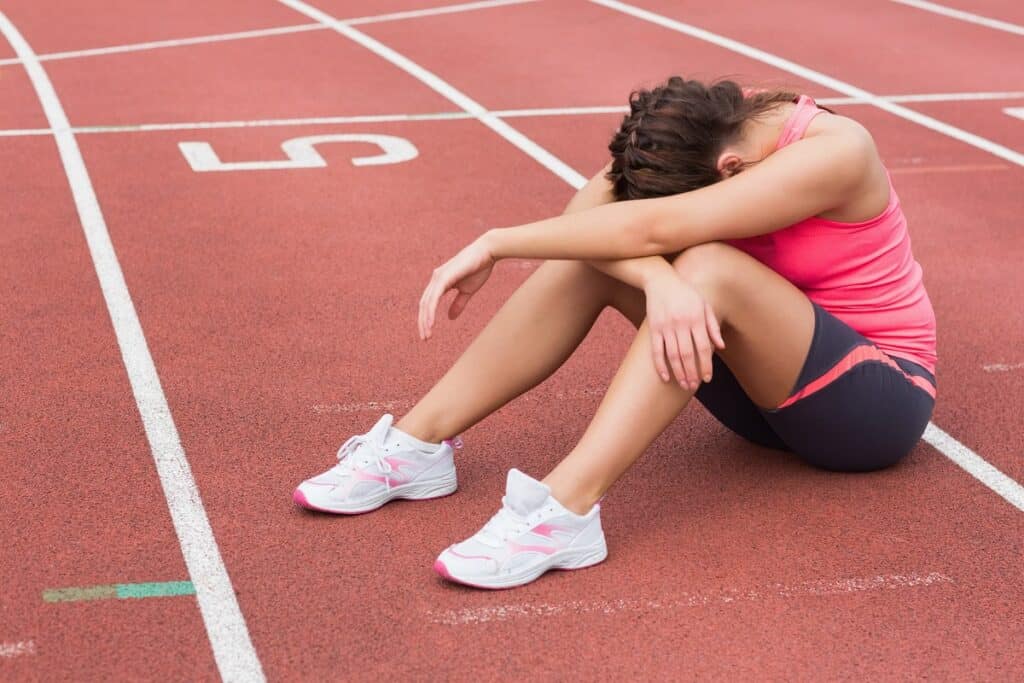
[(120, 591), (155, 590)]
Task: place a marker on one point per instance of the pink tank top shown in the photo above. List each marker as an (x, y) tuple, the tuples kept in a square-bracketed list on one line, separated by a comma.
[(863, 273)]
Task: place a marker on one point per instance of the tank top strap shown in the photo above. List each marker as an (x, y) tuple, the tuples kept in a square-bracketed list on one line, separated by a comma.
[(796, 125)]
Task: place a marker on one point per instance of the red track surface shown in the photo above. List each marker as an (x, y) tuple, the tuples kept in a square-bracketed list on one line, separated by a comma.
[(278, 304)]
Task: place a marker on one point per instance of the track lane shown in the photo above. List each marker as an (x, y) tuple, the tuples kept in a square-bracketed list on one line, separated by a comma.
[(82, 503), (346, 8), (179, 85), (54, 25), (21, 107), (995, 15), (1004, 10), (881, 47), (986, 118), (501, 69)]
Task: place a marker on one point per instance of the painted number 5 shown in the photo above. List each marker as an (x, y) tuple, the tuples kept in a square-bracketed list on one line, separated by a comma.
[(301, 153)]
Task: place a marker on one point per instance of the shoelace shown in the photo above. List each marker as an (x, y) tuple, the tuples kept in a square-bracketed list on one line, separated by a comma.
[(502, 526), (347, 462)]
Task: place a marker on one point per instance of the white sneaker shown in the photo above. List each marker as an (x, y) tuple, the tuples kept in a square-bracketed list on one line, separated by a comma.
[(379, 466), (529, 535)]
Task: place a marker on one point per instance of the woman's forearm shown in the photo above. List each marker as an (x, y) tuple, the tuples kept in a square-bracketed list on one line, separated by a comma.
[(610, 232), (636, 272)]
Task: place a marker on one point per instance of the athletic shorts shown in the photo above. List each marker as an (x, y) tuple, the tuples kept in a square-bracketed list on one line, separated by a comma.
[(853, 409)]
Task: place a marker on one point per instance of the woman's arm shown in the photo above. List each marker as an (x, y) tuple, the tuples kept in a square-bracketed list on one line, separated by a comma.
[(800, 180), (636, 272)]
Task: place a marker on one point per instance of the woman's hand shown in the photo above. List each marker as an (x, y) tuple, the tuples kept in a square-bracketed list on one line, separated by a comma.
[(466, 272), (683, 328)]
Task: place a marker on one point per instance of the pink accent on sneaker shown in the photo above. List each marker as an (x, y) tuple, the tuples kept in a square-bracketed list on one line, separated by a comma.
[(517, 548), (548, 529), (366, 476), (455, 442), (469, 557), (397, 463), (443, 570)]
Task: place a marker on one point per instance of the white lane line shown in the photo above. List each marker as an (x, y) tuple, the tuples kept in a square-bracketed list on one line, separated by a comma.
[(262, 33), (969, 17), (684, 599), (970, 461), (177, 42), (461, 115), (957, 97), (260, 123), (435, 11), (446, 90), (17, 649), (976, 466), (816, 77), (232, 648), (1002, 367)]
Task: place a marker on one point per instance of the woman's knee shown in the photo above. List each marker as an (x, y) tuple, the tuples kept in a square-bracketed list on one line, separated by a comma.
[(705, 263), (710, 267)]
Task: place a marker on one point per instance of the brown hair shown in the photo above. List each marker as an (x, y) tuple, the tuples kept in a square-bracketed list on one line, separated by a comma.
[(671, 139)]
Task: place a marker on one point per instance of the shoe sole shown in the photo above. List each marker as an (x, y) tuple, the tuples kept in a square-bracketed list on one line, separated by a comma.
[(566, 560), (416, 490)]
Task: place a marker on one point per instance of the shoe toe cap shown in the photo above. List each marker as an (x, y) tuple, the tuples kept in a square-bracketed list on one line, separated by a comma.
[(460, 564)]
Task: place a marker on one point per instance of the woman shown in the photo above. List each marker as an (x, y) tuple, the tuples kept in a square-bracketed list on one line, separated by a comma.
[(757, 244)]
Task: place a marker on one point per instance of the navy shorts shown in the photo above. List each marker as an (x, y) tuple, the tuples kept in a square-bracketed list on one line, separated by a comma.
[(853, 409)]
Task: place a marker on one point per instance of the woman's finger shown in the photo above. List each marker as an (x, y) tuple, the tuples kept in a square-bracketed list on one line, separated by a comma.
[(686, 354), (421, 318), (672, 351), (702, 345), (435, 296), (658, 351), (714, 331), (428, 294)]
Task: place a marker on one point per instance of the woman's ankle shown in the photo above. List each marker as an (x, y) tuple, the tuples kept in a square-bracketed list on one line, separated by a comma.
[(419, 430), (575, 499)]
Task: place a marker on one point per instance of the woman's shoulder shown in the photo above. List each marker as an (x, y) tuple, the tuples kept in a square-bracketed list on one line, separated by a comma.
[(852, 133), (870, 192)]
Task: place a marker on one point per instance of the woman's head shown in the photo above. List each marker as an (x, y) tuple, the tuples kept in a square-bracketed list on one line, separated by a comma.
[(673, 139)]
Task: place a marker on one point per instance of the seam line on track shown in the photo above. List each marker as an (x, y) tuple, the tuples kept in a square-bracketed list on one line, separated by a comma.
[(461, 115), (265, 32), (815, 77), (961, 15), (233, 651), (971, 462)]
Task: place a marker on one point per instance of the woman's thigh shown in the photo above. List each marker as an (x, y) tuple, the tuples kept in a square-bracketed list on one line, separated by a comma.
[(767, 323), (852, 409)]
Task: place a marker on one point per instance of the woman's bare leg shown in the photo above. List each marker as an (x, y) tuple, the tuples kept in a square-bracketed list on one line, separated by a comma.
[(767, 324), (533, 333)]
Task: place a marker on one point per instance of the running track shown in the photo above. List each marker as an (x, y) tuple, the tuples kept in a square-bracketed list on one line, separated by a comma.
[(152, 427)]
